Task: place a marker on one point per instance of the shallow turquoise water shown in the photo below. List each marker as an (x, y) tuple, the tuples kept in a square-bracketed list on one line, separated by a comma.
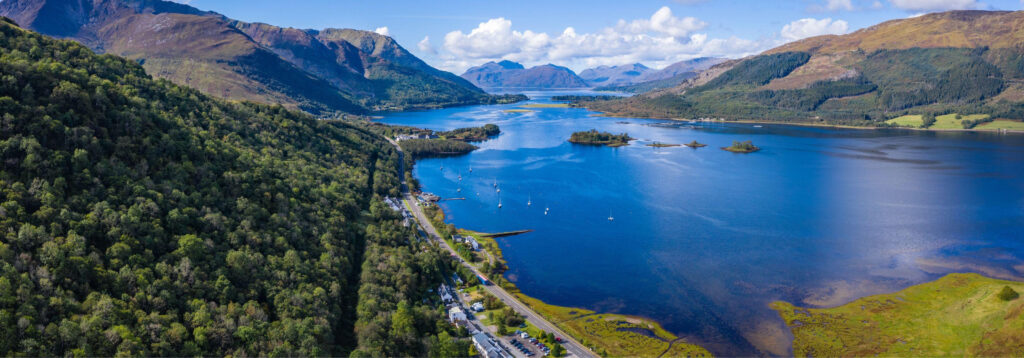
[(702, 240)]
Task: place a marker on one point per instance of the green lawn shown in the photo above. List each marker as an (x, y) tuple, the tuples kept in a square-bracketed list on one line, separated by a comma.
[(911, 120), (949, 121), (1001, 124), (957, 315)]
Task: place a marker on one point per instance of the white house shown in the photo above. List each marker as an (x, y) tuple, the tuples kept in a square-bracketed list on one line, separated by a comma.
[(456, 315)]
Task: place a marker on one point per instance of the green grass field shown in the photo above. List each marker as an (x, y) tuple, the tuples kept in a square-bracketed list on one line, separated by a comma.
[(957, 315), (1001, 124), (949, 121), (910, 120)]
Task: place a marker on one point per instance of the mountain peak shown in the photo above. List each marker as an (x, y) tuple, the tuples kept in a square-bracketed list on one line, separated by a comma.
[(510, 65)]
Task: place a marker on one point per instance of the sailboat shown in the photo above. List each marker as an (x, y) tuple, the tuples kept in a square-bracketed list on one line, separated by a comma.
[(458, 190), (499, 203), (529, 201), (610, 217), (546, 210), (470, 169), (495, 183)]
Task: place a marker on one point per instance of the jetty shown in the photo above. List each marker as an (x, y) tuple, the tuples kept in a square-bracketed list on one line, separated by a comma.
[(507, 233)]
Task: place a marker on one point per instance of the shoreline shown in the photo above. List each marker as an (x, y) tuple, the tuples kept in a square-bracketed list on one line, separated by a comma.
[(587, 325), (800, 124)]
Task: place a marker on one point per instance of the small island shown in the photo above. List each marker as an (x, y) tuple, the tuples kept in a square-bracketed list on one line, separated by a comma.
[(600, 138), (742, 147), (662, 145), (696, 144)]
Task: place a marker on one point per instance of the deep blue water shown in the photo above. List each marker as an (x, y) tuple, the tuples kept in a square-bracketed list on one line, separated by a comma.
[(702, 240)]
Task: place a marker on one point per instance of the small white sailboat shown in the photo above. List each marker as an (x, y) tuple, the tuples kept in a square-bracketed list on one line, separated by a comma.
[(495, 183), (529, 201), (546, 210), (470, 169), (499, 203), (610, 217), (458, 190)]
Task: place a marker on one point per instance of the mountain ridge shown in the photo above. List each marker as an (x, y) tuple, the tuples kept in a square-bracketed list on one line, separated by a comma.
[(320, 71), (508, 74)]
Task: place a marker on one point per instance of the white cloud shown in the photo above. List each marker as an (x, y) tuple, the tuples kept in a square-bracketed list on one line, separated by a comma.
[(837, 5), (659, 40), (935, 5), (383, 30), (804, 28), (878, 5), (425, 46)]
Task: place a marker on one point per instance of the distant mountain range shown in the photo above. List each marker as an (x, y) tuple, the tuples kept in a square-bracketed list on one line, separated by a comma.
[(650, 80), (616, 75), (968, 62), (319, 71), (508, 74)]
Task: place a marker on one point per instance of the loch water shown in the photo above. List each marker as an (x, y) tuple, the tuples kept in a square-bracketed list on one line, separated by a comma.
[(703, 239)]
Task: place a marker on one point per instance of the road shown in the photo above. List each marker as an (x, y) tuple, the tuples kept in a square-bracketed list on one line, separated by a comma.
[(572, 346)]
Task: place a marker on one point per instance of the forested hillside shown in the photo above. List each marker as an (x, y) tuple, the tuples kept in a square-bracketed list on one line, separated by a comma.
[(959, 62), (142, 218)]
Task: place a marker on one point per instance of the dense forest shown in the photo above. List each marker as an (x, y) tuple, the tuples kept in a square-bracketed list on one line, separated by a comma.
[(142, 218), (601, 138)]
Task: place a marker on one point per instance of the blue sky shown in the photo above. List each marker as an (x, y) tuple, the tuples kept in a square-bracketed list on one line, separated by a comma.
[(454, 35)]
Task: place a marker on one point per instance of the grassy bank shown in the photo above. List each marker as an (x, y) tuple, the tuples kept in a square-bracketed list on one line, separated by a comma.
[(957, 315)]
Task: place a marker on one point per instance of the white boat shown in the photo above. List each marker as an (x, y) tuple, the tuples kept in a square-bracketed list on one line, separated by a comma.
[(470, 169), (758, 126), (610, 217), (499, 190), (529, 201), (499, 203)]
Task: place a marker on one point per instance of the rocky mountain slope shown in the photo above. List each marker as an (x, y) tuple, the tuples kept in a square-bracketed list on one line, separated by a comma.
[(319, 71)]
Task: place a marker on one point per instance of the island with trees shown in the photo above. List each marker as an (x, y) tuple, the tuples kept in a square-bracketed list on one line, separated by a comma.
[(600, 138), (742, 147)]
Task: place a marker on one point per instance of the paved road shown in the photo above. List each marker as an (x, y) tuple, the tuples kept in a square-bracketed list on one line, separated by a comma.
[(571, 345)]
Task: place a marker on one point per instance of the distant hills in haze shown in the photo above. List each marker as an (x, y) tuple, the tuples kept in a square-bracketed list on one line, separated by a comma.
[(965, 62), (334, 70), (509, 74)]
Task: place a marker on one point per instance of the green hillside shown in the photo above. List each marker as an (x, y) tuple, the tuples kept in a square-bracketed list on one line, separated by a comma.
[(963, 315), (141, 218), (819, 81)]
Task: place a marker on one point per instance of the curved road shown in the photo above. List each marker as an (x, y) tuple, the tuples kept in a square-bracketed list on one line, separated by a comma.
[(572, 346)]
